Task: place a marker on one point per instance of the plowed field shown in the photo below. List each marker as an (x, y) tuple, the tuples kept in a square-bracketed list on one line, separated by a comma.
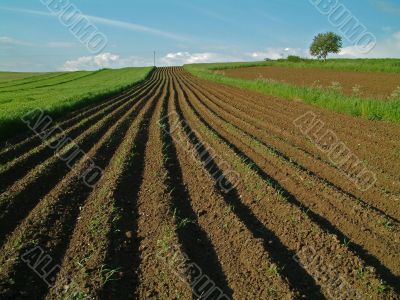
[(364, 84), (207, 191)]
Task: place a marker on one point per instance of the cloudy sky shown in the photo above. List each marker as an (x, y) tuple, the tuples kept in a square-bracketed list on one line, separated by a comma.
[(32, 37)]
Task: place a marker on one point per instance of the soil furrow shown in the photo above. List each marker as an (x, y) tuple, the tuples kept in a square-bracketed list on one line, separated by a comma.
[(208, 209), (52, 221), (206, 192), (18, 167), (158, 279), (336, 206), (324, 172), (382, 196), (281, 113), (190, 234), (370, 248), (101, 256), (17, 201), (298, 209), (298, 278), (290, 110)]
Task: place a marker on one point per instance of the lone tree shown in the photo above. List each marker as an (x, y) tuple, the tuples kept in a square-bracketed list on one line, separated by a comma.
[(325, 43)]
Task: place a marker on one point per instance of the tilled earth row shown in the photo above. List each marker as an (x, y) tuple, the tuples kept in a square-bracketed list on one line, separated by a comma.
[(207, 192), (363, 84)]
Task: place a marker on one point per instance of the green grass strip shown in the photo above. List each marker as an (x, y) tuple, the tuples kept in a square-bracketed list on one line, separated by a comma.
[(371, 109), (60, 94), (384, 65)]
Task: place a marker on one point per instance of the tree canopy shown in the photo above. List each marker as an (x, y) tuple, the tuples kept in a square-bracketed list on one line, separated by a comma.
[(325, 43)]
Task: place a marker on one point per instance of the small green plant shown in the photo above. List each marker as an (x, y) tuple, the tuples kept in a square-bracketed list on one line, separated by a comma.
[(272, 291), (305, 211), (164, 243), (228, 209), (268, 269), (346, 242), (81, 263), (226, 227), (382, 287), (107, 274), (387, 224), (184, 222), (293, 218), (361, 273), (95, 224), (77, 295), (272, 270), (281, 195)]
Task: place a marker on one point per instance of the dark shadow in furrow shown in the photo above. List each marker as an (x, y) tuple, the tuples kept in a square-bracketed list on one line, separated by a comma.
[(193, 239), (123, 254), (298, 278), (287, 159), (27, 284), (17, 171), (28, 141), (371, 260), (23, 203)]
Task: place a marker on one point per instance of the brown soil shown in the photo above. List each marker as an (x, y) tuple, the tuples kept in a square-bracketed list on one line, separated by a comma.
[(366, 84), (292, 226)]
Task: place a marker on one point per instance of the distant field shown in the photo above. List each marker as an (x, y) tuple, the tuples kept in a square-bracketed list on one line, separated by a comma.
[(390, 65), (57, 93), (333, 99), (351, 83), (9, 76)]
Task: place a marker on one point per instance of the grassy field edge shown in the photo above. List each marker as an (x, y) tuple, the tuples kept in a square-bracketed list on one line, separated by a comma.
[(14, 126), (371, 109), (381, 65)]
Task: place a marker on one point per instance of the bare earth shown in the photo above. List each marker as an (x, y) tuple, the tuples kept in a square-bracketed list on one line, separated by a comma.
[(169, 220), (378, 85)]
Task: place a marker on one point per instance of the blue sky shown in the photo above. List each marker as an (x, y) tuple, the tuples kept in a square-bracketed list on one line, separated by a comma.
[(181, 31)]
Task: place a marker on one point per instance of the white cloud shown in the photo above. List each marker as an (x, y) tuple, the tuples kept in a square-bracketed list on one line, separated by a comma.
[(110, 60), (387, 48), (276, 53), (103, 60), (180, 58), (184, 57)]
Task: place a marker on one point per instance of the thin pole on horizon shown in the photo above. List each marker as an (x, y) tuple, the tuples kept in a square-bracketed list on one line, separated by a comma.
[(154, 58)]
